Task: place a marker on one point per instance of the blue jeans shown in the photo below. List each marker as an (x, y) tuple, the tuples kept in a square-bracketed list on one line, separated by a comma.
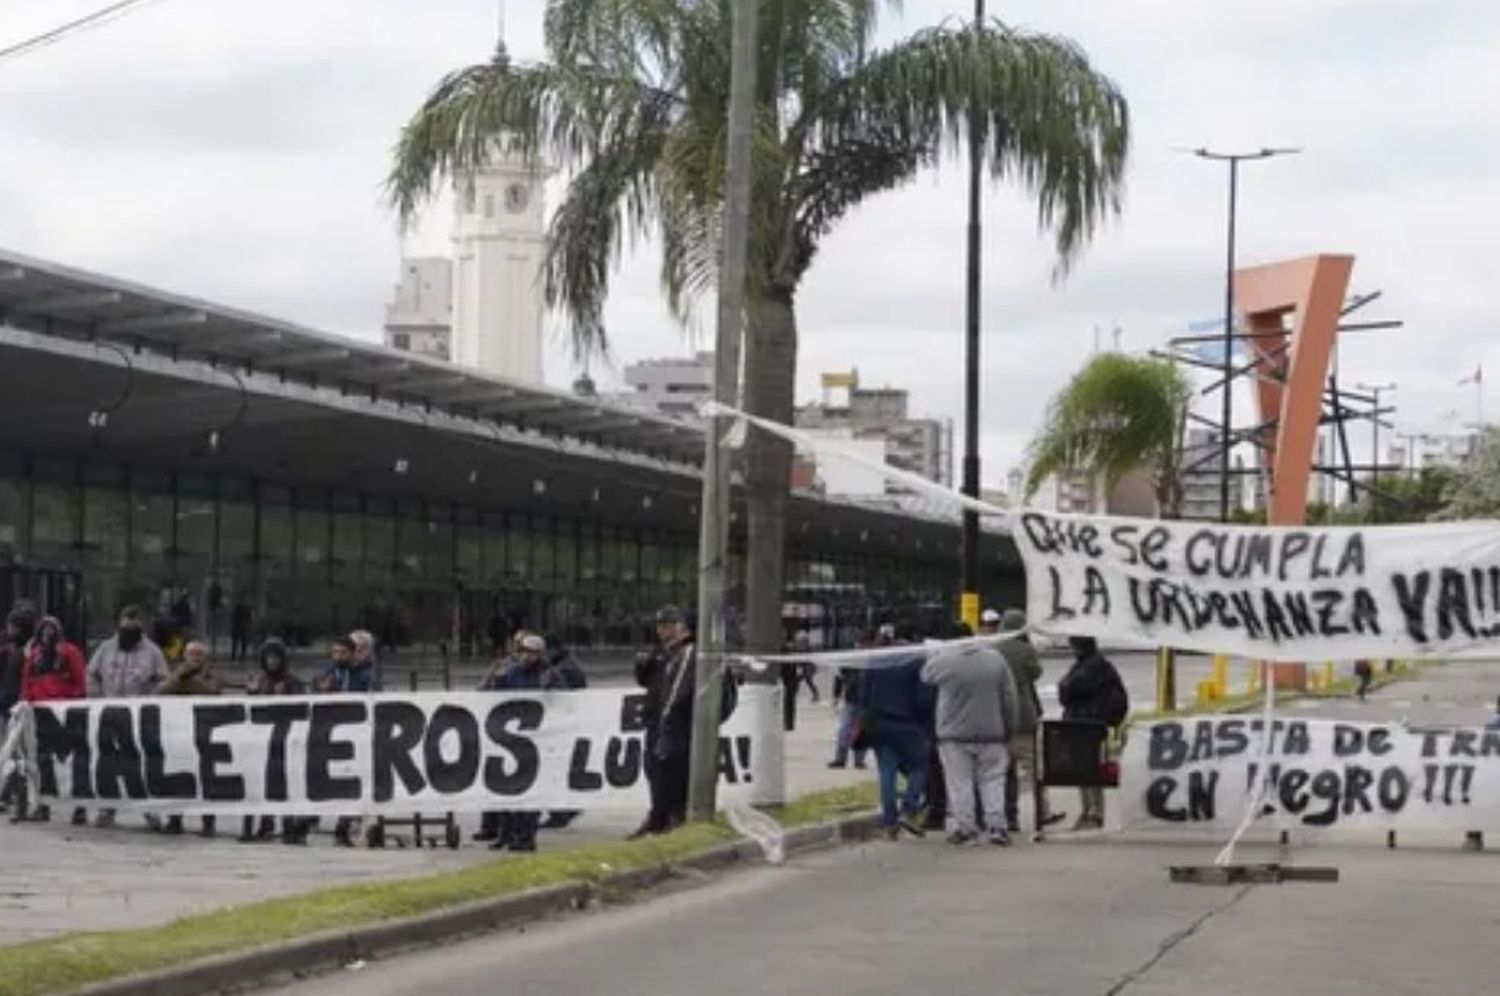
[(904, 749), (847, 717)]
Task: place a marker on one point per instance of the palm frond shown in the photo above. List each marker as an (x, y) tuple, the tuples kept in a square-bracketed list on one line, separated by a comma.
[(564, 113), (1117, 414), (1049, 120)]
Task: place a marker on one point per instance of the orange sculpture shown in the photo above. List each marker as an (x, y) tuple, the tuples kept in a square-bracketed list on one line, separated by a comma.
[(1291, 311)]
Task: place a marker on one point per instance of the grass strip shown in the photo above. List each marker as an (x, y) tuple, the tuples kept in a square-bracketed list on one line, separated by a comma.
[(73, 960)]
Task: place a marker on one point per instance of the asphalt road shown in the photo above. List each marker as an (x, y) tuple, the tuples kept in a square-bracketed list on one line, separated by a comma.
[(1081, 914), (1064, 918)]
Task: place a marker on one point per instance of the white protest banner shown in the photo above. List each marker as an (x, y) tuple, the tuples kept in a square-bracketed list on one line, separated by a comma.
[(1274, 593), (385, 755), (1200, 773)]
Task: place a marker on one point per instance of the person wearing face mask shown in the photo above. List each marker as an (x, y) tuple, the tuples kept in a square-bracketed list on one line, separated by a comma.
[(127, 665), (54, 671)]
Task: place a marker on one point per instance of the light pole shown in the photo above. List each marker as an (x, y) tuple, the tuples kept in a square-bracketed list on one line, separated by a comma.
[(969, 601), (1233, 159), (713, 542), (1375, 392)]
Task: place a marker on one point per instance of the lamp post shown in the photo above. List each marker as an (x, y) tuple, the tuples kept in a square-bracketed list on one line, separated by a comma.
[(1375, 392), (1233, 159), (713, 551), (969, 600)]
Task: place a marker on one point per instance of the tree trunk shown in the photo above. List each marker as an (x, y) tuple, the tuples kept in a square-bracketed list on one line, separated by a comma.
[(770, 383)]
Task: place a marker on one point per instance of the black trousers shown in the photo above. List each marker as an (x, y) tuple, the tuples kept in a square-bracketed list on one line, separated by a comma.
[(669, 793), (518, 827)]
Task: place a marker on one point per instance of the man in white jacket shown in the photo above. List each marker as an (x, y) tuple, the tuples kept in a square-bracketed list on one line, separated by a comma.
[(976, 713)]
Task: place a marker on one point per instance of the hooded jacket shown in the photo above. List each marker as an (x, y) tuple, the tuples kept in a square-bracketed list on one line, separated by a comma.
[(53, 673), (976, 701), (275, 681), (117, 673)]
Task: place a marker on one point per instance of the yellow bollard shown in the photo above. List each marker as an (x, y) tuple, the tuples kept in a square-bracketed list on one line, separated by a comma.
[(1221, 674), (1328, 676)]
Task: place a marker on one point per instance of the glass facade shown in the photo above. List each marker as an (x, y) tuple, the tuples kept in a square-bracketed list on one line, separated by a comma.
[(310, 563)]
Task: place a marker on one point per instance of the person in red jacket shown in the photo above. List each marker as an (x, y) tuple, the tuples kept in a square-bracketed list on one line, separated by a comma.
[(54, 670)]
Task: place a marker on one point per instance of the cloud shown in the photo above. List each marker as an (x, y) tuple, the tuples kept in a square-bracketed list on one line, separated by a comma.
[(236, 151)]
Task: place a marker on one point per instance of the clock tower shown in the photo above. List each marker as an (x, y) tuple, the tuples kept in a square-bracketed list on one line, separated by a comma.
[(499, 237)]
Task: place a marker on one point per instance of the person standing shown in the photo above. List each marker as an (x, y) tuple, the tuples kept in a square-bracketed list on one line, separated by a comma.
[(1092, 691), (649, 666), (564, 665), (193, 676), (976, 717), (530, 672), (276, 679), (239, 632), (676, 690), (353, 670), (351, 665), (1026, 669), (846, 696), (494, 681), (895, 711), (54, 671), (127, 665), (19, 626), (791, 680)]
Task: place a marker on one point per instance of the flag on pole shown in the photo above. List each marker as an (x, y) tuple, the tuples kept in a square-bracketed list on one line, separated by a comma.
[(1477, 377)]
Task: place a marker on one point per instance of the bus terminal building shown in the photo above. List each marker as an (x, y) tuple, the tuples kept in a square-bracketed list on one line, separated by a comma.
[(165, 451)]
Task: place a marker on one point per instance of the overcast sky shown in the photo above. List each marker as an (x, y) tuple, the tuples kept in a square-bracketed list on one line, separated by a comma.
[(235, 150)]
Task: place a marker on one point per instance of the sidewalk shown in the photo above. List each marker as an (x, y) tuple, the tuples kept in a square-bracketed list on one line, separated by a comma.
[(55, 878)]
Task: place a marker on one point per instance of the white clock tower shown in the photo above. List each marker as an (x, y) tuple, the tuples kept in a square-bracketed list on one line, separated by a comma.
[(499, 237)]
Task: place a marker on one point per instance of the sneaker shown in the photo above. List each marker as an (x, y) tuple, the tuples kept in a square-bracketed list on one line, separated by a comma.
[(105, 819), (80, 818), (838, 764), (999, 838), (1053, 818), (960, 837), (1088, 823), (891, 832), (522, 846)]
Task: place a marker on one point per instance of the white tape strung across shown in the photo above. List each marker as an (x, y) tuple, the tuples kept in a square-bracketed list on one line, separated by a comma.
[(871, 658), (810, 444)]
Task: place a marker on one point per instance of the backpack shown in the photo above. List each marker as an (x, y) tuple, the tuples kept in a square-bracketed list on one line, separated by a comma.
[(1115, 704)]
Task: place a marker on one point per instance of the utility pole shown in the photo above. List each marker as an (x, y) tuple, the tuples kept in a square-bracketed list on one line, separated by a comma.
[(1376, 390), (713, 542), (1226, 439), (968, 608)]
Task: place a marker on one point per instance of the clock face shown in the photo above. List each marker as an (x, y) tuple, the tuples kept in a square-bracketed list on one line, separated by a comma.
[(516, 198)]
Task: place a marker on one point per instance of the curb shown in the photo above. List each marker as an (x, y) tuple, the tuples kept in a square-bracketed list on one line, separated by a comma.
[(280, 964)]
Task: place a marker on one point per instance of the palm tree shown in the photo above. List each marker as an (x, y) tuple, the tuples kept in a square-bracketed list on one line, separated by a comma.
[(632, 100), (1117, 414)]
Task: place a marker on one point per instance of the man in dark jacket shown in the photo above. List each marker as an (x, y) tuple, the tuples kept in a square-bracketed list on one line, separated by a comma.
[(1092, 691), (530, 672), (675, 687), (896, 715)]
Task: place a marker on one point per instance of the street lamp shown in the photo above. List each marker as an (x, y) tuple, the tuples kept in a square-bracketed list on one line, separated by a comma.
[(1233, 159), (1375, 390), (969, 599)]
